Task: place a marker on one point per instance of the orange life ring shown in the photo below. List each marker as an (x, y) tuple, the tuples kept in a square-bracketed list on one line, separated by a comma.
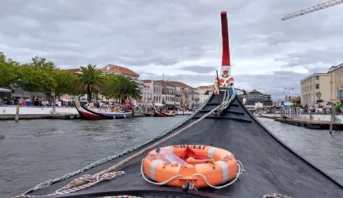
[(224, 169)]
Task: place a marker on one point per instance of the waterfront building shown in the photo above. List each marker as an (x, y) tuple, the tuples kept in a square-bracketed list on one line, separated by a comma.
[(203, 92), (336, 83), (171, 93), (168, 93), (314, 87), (157, 91), (115, 69), (148, 92), (257, 97)]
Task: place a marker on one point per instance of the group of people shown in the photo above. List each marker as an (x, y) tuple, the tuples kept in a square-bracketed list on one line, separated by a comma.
[(14, 101)]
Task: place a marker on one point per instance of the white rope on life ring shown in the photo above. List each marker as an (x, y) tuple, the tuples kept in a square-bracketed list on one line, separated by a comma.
[(239, 172)]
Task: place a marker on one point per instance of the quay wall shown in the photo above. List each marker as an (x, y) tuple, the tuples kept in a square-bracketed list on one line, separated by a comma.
[(37, 110), (315, 117), (48, 110)]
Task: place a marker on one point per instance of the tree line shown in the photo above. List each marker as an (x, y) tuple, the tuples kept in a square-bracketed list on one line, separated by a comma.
[(41, 75)]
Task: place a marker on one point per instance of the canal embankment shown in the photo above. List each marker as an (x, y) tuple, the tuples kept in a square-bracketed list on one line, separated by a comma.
[(64, 113), (311, 121)]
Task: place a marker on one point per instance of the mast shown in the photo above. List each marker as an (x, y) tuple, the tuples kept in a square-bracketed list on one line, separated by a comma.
[(226, 80)]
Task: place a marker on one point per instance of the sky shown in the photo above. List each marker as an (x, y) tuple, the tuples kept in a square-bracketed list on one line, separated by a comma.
[(178, 39)]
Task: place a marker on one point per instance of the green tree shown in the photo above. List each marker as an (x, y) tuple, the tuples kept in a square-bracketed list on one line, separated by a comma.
[(296, 101), (90, 80), (8, 71), (41, 63), (64, 81), (122, 88), (36, 79)]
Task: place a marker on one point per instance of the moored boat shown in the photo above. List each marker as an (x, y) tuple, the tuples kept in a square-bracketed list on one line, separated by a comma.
[(271, 169), (158, 113), (85, 114), (96, 114), (116, 114)]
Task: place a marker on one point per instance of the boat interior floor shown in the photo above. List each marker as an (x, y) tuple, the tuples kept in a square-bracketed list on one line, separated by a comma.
[(270, 166)]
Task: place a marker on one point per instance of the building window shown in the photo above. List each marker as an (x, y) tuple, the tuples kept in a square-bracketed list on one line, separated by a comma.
[(317, 86), (340, 94), (317, 77)]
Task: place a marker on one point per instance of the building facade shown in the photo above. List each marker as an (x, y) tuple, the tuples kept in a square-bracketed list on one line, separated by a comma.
[(119, 70), (168, 93), (157, 91), (258, 97), (336, 83), (148, 92), (204, 92), (315, 87)]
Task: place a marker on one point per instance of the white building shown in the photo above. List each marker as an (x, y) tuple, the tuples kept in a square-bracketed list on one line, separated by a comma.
[(148, 92), (168, 93), (204, 92), (314, 87), (157, 91)]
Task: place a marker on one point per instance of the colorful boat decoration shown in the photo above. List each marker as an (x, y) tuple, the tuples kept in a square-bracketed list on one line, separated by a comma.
[(85, 114)]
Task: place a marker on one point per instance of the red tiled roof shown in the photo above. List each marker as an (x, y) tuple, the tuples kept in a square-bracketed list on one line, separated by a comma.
[(180, 84), (147, 81), (119, 70), (164, 83), (73, 70)]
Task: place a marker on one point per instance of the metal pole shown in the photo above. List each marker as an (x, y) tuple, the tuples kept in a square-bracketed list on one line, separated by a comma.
[(17, 113), (54, 104)]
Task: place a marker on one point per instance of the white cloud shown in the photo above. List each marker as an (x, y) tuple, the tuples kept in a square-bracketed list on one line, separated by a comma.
[(177, 37)]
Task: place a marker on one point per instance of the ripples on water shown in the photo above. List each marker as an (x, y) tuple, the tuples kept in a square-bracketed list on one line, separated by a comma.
[(38, 150), (317, 146)]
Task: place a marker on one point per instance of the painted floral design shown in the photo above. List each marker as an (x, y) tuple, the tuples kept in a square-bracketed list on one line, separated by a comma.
[(228, 81), (221, 81), (225, 74)]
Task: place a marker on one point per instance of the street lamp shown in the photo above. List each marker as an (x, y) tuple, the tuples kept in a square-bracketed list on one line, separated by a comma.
[(289, 92), (22, 81)]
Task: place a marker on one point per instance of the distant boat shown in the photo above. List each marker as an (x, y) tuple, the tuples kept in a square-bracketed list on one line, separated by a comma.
[(158, 113), (85, 114), (95, 114)]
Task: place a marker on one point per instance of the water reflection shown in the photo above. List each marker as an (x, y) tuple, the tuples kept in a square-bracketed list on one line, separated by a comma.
[(37, 150), (317, 146)]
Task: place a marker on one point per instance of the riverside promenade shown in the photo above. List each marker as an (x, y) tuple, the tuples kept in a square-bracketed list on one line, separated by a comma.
[(31, 113), (301, 121)]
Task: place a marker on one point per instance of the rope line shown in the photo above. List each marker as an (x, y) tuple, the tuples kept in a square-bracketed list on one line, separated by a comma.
[(91, 180), (110, 158), (276, 195)]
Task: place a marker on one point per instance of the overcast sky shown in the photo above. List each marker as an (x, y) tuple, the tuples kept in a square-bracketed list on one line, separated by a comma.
[(179, 38)]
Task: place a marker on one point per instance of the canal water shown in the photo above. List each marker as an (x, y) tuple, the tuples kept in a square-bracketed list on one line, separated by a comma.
[(38, 150)]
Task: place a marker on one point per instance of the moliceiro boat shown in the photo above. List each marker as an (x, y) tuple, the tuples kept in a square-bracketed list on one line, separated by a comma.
[(221, 150), (159, 113), (89, 113)]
